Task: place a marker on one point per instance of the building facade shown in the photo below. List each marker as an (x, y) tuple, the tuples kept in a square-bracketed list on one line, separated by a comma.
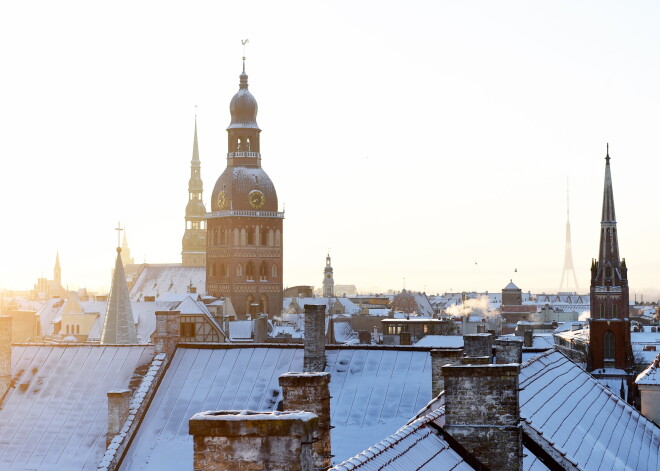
[(610, 350), (193, 253), (328, 279), (244, 244)]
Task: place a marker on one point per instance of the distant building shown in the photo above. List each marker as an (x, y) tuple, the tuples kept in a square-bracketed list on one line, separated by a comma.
[(244, 252), (328, 280), (193, 253)]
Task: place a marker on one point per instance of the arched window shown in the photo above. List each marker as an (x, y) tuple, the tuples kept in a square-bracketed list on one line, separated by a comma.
[(250, 306), (262, 271), (239, 270), (236, 237), (250, 236), (239, 144), (263, 240), (248, 145), (243, 237), (249, 271), (271, 237), (213, 269), (278, 238), (614, 311), (274, 271), (263, 305), (223, 269), (608, 346), (602, 311)]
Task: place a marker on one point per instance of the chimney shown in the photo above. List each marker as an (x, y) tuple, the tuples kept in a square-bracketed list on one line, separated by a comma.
[(5, 355), (405, 338), (311, 392), (274, 441), (528, 338), (482, 413), (478, 345), (167, 333), (314, 360), (364, 337), (119, 401), (508, 350), (261, 328), (439, 358)]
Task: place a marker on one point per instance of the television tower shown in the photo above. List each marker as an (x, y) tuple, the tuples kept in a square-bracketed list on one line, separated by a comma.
[(569, 269)]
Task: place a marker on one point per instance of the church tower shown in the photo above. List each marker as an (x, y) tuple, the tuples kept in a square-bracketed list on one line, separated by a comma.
[(193, 253), (609, 325), (57, 272), (244, 246), (328, 280)]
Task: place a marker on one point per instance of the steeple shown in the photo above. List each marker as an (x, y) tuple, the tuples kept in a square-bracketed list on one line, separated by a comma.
[(193, 252), (57, 272), (119, 325), (569, 269), (328, 279), (609, 338), (126, 251)]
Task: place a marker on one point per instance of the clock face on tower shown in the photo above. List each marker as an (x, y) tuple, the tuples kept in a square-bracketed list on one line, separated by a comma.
[(256, 199), (222, 200)]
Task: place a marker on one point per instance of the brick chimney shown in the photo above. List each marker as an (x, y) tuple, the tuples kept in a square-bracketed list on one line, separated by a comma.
[(439, 358), (478, 345), (119, 401), (314, 360), (311, 392), (508, 350), (528, 338), (247, 440), (261, 328), (482, 413), (167, 333), (5, 354)]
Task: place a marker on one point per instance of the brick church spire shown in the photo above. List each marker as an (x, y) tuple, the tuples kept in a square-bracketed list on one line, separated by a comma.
[(609, 344), (193, 251)]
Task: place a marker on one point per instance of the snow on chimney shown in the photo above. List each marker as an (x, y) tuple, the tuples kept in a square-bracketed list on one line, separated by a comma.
[(311, 392), (167, 333), (482, 412), (119, 401), (441, 357), (274, 441), (508, 350)]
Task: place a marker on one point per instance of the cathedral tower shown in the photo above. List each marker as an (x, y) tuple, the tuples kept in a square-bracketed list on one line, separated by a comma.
[(57, 271), (193, 253), (328, 279), (609, 335), (244, 246)]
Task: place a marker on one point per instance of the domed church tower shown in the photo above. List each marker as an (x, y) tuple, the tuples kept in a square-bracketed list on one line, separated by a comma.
[(244, 240)]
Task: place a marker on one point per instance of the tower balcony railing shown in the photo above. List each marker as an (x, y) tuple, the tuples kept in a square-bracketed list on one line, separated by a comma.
[(245, 213), (231, 155)]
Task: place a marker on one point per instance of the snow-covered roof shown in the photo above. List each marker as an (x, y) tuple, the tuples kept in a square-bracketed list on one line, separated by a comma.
[(241, 330), (158, 280), (373, 393), (441, 341), (415, 446), (650, 375), (511, 286), (583, 420), (55, 417), (543, 341)]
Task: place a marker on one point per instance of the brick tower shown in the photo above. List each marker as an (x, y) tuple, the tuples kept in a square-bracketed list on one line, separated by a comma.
[(610, 351), (244, 240)]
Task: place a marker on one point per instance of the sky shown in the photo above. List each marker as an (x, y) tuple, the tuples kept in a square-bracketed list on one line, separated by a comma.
[(429, 141)]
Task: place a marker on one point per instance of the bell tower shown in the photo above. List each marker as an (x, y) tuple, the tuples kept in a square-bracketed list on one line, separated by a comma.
[(610, 352), (193, 253), (328, 279), (244, 244)]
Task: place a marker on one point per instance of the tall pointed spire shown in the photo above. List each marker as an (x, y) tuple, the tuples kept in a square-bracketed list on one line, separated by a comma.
[(57, 271), (608, 193), (609, 243), (193, 251), (119, 324), (568, 254)]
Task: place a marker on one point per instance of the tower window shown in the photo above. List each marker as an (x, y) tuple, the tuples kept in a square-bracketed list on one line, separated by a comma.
[(602, 311), (249, 271), (239, 270), (614, 311), (250, 237), (608, 346), (264, 237), (262, 272), (223, 269), (274, 270)]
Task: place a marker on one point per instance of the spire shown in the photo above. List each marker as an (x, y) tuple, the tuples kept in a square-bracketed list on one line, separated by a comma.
[(608, 194), (195, 156), (57, 272), (569, 269), (119, 324)]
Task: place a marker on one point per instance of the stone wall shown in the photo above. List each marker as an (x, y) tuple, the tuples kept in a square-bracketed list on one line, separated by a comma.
[(314, 360), (310, 392), (246, 440), (508, 350), (482, 413), (5, 355), (439, 358)]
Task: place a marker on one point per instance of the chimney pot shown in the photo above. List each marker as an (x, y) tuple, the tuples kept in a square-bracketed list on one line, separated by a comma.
[(167, 333), (314, 359)]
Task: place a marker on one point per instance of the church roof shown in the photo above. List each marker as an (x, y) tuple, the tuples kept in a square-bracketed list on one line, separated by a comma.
[(54, 417), (119, 325), (511, 286), (158, 280), (374, 391), (243, 106)]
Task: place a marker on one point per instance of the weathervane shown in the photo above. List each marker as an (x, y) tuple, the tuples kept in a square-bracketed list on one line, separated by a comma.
[(244, 42)]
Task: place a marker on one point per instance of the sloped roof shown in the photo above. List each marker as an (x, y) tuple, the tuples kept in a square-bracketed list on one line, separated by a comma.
[(373, 392), (584, 421), (441, 341), (118, 325), (55, 415), (650, 375), (414, 446), (511, 286), (158, 280)]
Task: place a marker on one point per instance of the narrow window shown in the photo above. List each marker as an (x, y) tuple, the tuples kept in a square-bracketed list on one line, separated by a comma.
[(608, 345)]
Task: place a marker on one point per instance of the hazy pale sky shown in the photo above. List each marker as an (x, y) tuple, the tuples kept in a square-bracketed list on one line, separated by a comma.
[(411, 138)]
